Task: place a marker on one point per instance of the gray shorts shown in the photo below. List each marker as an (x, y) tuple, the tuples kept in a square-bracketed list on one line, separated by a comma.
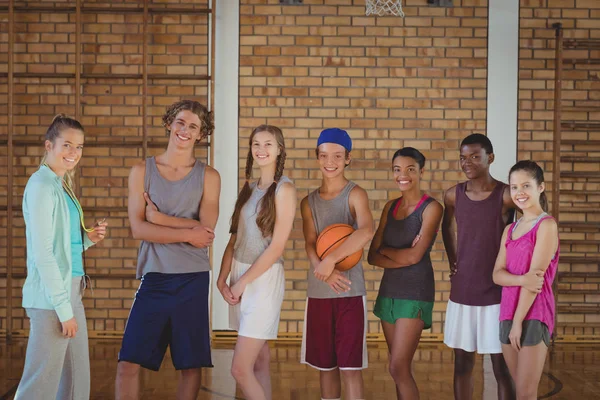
[(534, 331)]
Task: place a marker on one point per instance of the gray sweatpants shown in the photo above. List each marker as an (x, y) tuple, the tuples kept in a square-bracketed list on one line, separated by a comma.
[(54, 363)]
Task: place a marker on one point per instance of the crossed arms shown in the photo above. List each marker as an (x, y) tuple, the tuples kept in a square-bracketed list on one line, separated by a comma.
[(149, 224)]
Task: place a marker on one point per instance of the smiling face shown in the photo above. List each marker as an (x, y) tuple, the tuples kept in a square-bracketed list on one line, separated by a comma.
[(185, 129), (333, 158), (524, 190), (265, 148), (64, 154), (407, 173), (474, 161)]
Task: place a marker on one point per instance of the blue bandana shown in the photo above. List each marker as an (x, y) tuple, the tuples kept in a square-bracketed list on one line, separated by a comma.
[(337, 136)]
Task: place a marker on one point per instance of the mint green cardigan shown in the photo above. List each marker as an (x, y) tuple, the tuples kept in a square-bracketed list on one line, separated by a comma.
[(49, 268)]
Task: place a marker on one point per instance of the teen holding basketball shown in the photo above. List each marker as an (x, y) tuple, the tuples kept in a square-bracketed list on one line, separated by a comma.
[(475, 215), (526, 266), (260, 227), (334, 336), (57, 363), (402, 246)]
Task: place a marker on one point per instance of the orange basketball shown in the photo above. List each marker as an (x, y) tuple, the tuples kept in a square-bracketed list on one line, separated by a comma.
[(331, 238)]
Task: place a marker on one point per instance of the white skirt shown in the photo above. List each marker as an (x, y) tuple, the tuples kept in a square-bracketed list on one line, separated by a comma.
[(473, 328), (257, 314)]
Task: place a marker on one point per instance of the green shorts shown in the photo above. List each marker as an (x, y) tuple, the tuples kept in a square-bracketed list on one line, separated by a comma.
[(389, 310)]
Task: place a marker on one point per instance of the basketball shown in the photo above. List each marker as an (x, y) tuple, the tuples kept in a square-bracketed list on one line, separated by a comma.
[(331, 238)]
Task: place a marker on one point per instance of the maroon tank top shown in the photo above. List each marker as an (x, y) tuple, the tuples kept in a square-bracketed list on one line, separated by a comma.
[(480, 225)]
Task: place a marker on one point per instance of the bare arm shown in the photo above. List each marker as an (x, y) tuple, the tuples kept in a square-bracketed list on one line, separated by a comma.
[(449, 228), (209, 206), (432, 215), (285, 211), (310, 233), (226, 270), (158, 218), (227, 260), (375, 257)]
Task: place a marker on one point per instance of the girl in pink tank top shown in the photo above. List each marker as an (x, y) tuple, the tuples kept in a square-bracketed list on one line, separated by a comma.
[(525, 268)]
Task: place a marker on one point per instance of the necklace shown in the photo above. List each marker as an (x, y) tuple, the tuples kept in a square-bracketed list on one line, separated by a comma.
[(71, 194), (77, 204)]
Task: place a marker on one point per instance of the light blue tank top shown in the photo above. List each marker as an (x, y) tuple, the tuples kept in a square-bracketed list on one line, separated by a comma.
[(76, 239)]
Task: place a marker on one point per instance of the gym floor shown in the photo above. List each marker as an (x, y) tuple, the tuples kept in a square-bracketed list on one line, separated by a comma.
[(572, 372)]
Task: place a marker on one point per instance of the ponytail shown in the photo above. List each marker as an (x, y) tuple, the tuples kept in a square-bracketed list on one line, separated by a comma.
[(60, 123), (544, 201)]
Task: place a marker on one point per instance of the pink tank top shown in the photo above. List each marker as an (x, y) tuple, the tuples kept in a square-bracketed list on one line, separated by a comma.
[(518, 261)]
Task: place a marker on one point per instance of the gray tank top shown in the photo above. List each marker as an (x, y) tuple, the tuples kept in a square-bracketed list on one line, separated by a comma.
[(415, 282), (178, 199), (325, 213), (250, 243)]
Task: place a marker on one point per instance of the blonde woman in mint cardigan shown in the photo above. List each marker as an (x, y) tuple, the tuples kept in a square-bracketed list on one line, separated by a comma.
[(57, 364)]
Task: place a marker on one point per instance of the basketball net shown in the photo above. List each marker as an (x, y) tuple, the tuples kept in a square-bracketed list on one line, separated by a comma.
[(384, 7)]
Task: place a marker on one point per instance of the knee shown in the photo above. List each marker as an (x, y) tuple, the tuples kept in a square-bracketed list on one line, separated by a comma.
[(191, 373), (127, 370), (239, 372), (526, 389), (502, 375), (262, 362), (351, 375), (399, 370), (463, 365), (526, 392)]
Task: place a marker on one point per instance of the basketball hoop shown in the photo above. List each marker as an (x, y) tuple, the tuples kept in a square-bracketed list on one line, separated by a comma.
[(384, 7)]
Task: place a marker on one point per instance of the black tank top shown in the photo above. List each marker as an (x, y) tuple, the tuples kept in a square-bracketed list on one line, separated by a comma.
[(415, 282)]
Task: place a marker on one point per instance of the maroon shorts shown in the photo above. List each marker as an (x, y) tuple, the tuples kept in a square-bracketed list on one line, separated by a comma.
[(335, 333)]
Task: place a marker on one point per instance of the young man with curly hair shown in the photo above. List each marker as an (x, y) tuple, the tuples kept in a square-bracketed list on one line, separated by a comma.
[(173, 209)]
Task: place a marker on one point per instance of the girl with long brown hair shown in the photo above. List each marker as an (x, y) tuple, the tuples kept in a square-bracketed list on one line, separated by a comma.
[(260, 227)]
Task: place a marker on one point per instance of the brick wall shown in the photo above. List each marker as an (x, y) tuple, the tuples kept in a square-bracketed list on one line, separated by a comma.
[(391, 82), (111, 111), (579, 196), (418, 81), (3, 159)]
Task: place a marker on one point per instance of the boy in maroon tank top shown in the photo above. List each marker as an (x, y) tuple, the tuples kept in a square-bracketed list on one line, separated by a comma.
[(476, 213)]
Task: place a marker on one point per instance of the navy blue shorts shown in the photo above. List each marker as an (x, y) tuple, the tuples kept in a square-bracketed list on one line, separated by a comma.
[(169, 310)]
